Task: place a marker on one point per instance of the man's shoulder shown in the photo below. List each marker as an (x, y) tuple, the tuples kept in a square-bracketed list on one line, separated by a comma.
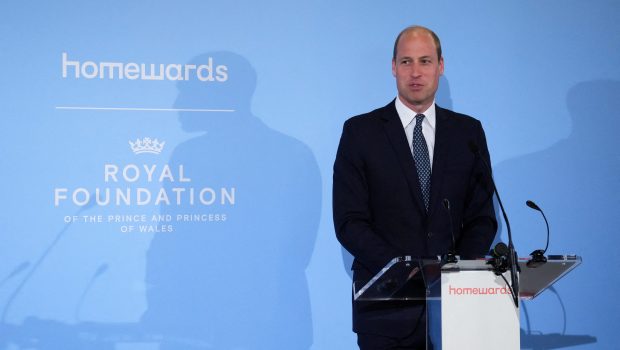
[(382, 114), (456, 117), (373, 117)]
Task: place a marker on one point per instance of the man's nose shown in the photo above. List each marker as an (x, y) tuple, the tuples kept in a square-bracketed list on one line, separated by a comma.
[(415, 70)]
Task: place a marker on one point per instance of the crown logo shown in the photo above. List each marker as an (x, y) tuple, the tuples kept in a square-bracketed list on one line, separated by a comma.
[(147, 145)]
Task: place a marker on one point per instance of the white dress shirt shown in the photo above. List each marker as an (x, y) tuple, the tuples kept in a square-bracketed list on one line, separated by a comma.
[(407, 117)]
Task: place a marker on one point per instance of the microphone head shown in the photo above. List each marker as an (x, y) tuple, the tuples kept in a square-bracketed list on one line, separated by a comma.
[(532, 205), (501, 249)]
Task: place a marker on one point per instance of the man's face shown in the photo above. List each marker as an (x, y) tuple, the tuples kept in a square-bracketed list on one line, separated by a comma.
[(417, 70)]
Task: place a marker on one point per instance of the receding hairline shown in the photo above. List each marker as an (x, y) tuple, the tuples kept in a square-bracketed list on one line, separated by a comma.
[(417, 29)]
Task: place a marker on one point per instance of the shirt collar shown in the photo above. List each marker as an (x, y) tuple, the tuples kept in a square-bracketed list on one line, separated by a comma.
[(406, 114)]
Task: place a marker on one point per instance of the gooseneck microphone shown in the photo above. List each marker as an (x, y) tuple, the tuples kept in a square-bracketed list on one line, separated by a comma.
[(538, 256), (451, 256), (512, 255), (40, 260)]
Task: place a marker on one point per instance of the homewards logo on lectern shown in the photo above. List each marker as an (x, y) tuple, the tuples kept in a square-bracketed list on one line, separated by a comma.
[(208, 71), (477, 290)]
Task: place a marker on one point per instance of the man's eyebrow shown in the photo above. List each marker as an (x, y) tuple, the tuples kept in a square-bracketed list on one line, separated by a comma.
[(419, 58)]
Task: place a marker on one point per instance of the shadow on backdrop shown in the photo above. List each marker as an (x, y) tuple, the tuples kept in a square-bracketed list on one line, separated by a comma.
[(235, 278), (576, 182), (231, 274)]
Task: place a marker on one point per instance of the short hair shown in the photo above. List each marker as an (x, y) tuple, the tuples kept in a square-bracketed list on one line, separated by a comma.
[(416, 28)]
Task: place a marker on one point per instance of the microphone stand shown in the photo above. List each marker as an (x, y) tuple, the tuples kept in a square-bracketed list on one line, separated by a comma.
[(450, 257), (538, 255), (512, 255)]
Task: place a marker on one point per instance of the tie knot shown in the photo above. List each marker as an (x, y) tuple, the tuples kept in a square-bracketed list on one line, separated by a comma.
[(419, 118)]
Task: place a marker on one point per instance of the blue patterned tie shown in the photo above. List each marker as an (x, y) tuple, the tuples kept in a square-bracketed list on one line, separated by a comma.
[(421, 158)]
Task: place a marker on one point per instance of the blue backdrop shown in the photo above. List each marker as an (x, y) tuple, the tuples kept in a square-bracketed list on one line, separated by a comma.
[(166, 166)]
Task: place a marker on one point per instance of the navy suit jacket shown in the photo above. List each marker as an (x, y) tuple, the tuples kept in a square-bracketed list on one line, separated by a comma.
[(378, 208)]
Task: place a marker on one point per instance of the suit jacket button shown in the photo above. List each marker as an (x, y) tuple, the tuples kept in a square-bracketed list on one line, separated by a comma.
[(430, 234)]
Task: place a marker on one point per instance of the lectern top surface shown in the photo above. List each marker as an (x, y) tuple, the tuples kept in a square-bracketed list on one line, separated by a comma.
[(409, 278)]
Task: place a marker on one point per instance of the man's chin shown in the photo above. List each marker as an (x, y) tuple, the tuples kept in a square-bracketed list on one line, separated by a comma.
[(416, 103)]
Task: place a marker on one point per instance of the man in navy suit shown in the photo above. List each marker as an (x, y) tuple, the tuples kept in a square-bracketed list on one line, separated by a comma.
[(394, 169)]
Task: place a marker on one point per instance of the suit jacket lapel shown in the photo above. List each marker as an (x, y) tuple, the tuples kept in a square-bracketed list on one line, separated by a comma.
[(396, 134), (441, 150)]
